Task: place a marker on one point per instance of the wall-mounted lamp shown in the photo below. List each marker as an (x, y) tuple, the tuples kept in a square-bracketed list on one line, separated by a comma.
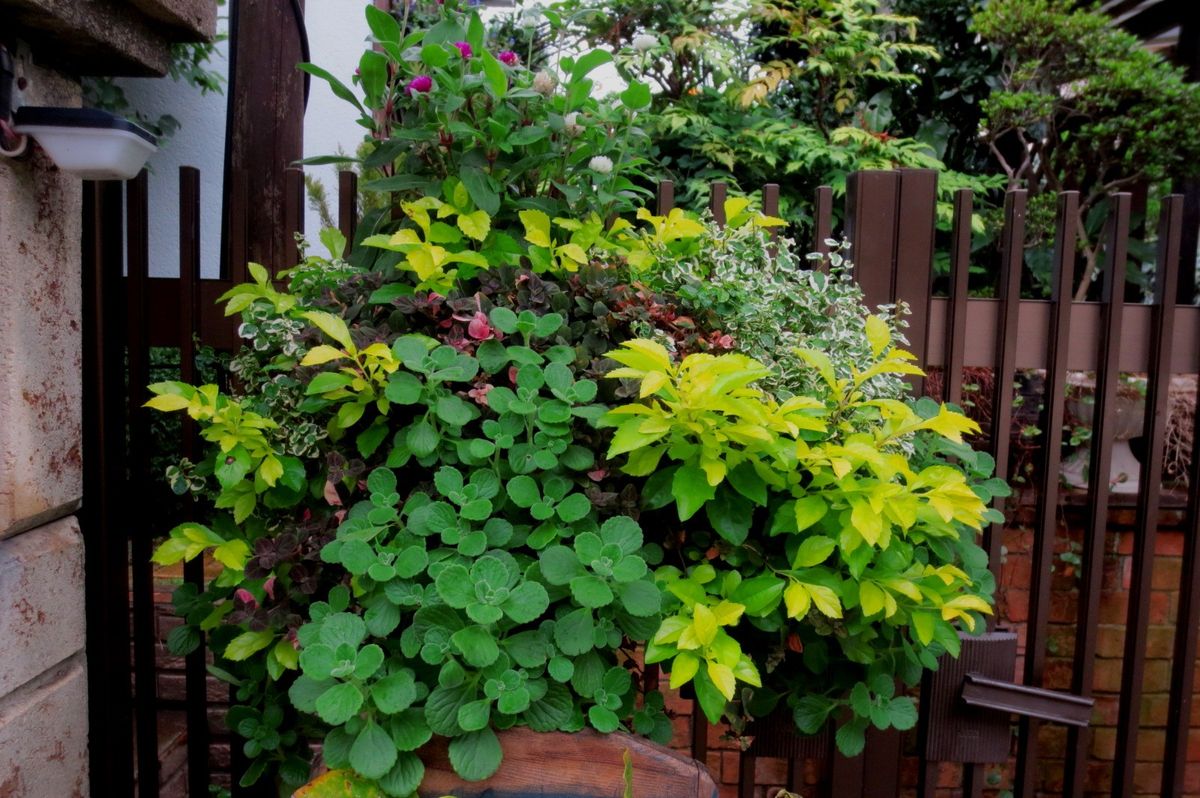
[(92, 144)]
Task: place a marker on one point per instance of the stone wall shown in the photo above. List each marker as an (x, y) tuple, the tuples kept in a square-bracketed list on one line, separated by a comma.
[(43, 684)]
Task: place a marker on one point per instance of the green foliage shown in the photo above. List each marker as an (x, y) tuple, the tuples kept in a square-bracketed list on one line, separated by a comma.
[(435, 518), (827, 536), (1083, 106), (439, 103)]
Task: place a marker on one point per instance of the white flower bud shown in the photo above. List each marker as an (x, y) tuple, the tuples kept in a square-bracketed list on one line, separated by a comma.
[(601, 164), (644, 42), (543, 83), (571, 124)]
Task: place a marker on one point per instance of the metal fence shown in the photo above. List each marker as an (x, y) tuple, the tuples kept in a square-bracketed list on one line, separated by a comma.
[(889, 218)]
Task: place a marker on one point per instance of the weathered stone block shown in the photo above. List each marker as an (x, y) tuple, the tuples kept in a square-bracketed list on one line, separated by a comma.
[(41, 602), (40, 344), (43, 735), (109, 37)]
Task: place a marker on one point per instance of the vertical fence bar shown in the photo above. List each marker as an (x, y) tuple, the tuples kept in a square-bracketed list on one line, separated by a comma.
[(716, 202), (871, 199), (1149, 487), (293, 217), (195, 679), (664, 198), (145, 639), (1179, 709), (107, 573), (1104, 413), (770, 207), (1063, 271), (822, 220), (956, 318), (348, 207), (1179, 714), (912, 274), (1012, 250), (235, 268)]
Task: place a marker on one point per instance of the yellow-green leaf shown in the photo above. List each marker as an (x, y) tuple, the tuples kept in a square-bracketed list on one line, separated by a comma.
[(537, 227), (168, 403), (476, 225), (286, 654), (722, 676), (232, 554), (683, 668), (333, 326), (270, 470), (925, 623), (809, 510), (878, 334), (870, 596), (704, 624), (322, 354), (797, 600), (825, 600), (247, 644), (259, 273)]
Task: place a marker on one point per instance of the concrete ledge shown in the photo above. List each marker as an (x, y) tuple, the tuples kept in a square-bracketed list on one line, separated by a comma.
[(43, 735), (41, 603), (108, 37)]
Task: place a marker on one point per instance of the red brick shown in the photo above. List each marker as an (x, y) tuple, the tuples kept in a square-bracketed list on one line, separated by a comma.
[(1104, 743), (1057, 674), (1150, 745), (1166, 572), (1169, 544), (681, 735), (1017, 541), (769, 771), (1015, 606), (1154, 710), (1110, 641), (1160, 643), (1147, 778), (1106, 710), (729, 766), (1114, 607), (1162, 607), (1063, 607), (1107, 676), (1016, 571)]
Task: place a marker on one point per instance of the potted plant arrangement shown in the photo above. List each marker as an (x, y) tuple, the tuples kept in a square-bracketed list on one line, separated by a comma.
[(530, 436)]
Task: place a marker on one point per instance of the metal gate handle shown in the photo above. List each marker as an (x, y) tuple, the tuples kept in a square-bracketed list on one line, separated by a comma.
[(1033, 702)]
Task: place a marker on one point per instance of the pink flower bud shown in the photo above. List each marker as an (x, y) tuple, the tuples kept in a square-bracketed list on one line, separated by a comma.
[(421, 84), (464, 49), (246, 597), (479, 328), (269, 587), (509, 58)]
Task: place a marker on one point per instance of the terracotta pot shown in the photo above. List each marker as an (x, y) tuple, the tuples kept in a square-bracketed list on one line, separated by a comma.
[(581, 765)]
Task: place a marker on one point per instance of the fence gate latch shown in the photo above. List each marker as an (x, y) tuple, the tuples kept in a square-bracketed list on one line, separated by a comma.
[(969, 701)]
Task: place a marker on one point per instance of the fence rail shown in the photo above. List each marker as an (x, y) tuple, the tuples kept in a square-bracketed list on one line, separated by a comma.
[(890, 223)]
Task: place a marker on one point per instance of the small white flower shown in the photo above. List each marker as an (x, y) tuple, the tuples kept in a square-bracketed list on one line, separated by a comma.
[(601, 164), (644, 41), (543, 83), (571, 124)]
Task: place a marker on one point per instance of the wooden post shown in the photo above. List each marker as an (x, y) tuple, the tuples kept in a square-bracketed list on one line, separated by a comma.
[(265, 129)]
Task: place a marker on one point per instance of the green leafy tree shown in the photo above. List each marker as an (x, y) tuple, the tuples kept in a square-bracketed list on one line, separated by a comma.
[(1083, 106)]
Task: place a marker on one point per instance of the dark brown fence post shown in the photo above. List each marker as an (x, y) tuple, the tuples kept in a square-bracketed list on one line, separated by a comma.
[(293, 219), (716, 202), (822, 220), (1149, 487), (1012, 253), (956, 321), (141, 531), (348, 207), (1104, 413), (196, 673), (871, 199), (1047, 501), (912, 272), (102, 516)]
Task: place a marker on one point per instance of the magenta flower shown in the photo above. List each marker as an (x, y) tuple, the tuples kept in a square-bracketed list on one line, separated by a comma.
[(421, 84), (464, 49), (509, 58)]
